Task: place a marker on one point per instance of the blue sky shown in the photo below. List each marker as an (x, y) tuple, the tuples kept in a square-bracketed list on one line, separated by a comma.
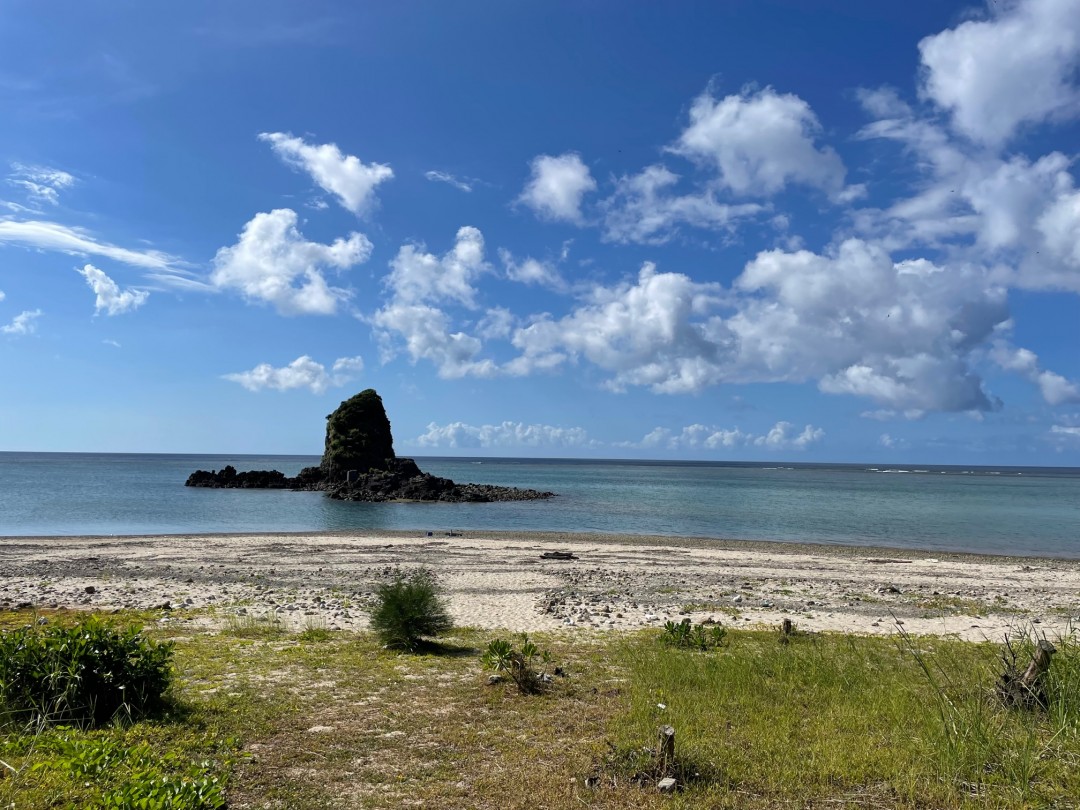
[(831, 231)]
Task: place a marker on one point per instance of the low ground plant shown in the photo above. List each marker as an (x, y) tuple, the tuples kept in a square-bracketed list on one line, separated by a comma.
[(408, 610), (517, 663), (687, 635), (133, 777), (255, 625), (87, 674)]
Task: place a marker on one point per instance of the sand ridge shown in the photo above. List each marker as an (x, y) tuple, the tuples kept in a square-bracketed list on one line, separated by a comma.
[(499, 580)]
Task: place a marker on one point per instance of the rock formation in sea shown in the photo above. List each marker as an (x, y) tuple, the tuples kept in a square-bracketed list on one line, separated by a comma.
[(359, 464)]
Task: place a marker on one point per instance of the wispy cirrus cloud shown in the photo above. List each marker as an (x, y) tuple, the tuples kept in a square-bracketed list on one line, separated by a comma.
[(45, 235), (451, 180), (41, 184)]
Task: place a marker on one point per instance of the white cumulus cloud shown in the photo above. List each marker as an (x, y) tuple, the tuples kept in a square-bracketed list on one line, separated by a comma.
[(781, 436), (644, 209), (1019, 66), (350, 180), (505, 434), (273, 262), (1066, 432), (532, 271), (109, 297), (557, 186), (420, 283), (759, 142), (25, 323), (303, 372), (650, 332), (852, 319), (1055, 389), (1018, 213), (418, 276)]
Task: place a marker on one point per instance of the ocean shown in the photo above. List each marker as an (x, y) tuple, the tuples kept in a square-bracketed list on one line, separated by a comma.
[(1030, 511)]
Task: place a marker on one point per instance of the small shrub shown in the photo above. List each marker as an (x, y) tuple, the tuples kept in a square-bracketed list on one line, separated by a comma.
[(519, 664), (687, 635), (87, 674), (408, 609)]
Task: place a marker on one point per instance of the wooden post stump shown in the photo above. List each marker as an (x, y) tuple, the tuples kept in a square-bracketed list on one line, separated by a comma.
[(665, 750), (1027, 690), (786, 627)]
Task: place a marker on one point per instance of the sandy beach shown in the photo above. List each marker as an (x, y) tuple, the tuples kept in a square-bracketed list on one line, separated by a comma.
[(500, 580)]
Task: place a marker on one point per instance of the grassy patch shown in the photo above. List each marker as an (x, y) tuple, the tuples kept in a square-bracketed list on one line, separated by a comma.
[(254, 625), (328, 719), (829, 718)]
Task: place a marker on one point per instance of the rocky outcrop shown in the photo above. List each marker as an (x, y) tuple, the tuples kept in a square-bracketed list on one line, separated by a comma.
[(404, 481), (359, 464), (358, 437), (229, 478)]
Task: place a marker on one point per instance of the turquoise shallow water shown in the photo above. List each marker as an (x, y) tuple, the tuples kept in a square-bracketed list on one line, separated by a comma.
[(1027, 511)]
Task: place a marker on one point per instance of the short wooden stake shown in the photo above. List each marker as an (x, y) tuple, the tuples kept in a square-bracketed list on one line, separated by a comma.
[(1027, 690), (786, 628), (1038, 666), (665, 751)]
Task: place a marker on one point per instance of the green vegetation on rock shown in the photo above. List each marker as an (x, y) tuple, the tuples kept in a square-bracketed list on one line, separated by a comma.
[(357, 437)]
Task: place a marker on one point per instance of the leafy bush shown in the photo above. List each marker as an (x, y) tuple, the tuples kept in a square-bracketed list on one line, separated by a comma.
[(87, 674), (519, 664), (691, 636), (408, 609)]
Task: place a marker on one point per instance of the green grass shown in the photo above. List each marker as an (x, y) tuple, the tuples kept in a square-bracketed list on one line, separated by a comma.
[(831, 718), (327, 719)]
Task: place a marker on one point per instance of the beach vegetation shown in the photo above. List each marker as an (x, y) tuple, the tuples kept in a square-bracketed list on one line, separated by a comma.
[(131, 776), (828, 720), (315, 630), (518, 663), (85, 674), (687, 635), (254, 625), (408, 610)]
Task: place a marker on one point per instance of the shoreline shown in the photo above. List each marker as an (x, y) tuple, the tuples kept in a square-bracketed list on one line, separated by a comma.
[(497, 580), (723, 543)]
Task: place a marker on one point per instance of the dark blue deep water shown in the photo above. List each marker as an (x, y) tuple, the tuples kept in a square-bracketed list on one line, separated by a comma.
[(1025, 511)]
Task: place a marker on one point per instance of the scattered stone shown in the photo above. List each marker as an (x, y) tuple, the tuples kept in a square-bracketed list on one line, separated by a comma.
[(90, 589), (667, 785)]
